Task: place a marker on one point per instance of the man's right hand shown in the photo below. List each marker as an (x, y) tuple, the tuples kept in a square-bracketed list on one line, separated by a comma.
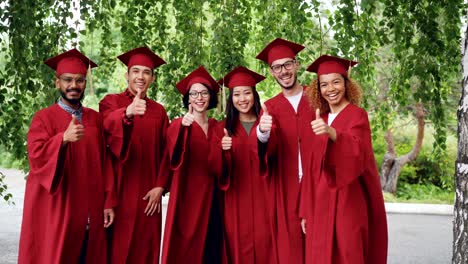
[(74, 132), (266, 121), (137, 107)]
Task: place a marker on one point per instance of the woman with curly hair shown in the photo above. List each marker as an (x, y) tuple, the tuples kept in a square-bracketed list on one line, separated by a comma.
[(342, 207)]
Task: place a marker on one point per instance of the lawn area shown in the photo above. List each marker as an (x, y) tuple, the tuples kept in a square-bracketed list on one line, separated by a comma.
[(416, 193)]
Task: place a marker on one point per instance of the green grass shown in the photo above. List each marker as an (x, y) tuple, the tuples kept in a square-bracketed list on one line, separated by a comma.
[(417, 193), (8, 161)]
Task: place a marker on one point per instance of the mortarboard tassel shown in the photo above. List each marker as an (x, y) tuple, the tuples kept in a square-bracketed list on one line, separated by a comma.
[(349, 69), (224, 97), (90, 80)]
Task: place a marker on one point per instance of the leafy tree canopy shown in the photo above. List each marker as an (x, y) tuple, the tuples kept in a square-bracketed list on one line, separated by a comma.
[(408, 49)]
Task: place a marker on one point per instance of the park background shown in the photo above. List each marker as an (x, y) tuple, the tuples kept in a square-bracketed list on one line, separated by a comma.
[(408, 51)]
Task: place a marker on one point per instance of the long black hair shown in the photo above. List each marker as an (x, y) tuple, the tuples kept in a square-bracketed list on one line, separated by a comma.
[(232, 114)]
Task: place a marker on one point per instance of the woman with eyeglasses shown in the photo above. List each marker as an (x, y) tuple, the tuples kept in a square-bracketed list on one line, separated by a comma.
[(247, 233), (193, 222), (341, 199)]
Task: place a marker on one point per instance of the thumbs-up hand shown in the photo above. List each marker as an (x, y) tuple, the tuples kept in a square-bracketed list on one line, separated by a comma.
[(318, 125), (266, 121), (188, 117), (137, 107), (74, 131), (226, 141)]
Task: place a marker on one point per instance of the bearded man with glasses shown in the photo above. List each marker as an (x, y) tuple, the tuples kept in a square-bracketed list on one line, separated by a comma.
[(285, 126)]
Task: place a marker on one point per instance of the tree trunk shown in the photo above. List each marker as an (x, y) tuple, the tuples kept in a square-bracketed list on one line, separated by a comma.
[(391, 164), (460, 223)]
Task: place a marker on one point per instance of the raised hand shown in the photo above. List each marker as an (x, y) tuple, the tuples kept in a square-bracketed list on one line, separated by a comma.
[(226, 142), (74, 131), (321, 128), (188, 117), (318, 125), (266, 121), (137, 107)]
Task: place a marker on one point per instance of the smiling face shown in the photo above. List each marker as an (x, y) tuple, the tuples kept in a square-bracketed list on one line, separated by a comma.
[(243, 99), (72, 87), (199, 97), (333, 89), (139, 77), (286, 78)]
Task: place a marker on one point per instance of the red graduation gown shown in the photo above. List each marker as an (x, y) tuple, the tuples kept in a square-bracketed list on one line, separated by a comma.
[(247, 233), (342, 199), (291, 131), (137, 149), (190, 218), (65, 185)]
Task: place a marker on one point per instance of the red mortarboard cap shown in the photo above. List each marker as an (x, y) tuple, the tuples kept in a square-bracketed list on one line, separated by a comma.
[(241, 76), (71, 61), (141, 56), (326, 64), (279, 49), (200, 75)]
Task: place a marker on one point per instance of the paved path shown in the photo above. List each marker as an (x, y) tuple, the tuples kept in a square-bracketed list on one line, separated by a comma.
[(413, 238), (419, 239), (10, 217)]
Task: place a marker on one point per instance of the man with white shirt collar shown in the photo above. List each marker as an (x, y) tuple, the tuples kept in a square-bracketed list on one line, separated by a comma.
[(285, 125)]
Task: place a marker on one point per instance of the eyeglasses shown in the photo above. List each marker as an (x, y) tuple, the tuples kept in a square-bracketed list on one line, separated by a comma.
[(203, 94), (69, 80), (287, 66)]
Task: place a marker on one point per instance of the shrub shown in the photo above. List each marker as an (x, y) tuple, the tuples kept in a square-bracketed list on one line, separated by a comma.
[(425, 170)]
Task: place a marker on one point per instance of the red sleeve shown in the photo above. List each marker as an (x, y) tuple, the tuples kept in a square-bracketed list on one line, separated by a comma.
[(220, 160), (306, 193), (118, 128), (176, 143), (46, 154), (165, 174), (267, 152), (224, 180), (344, 158), (111, 199), (303, 197)]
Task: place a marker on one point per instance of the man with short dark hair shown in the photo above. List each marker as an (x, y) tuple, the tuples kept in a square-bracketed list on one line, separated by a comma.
[(69, 195), (135, 128)]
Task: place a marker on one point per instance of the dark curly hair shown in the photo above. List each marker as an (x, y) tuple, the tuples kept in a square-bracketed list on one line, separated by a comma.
[(353, 93)]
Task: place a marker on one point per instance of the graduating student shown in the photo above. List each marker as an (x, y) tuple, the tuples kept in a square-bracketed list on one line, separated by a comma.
[(69, 195), (247, 233), (290, 113), (135, 127), (341, 201), (193, 224)]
